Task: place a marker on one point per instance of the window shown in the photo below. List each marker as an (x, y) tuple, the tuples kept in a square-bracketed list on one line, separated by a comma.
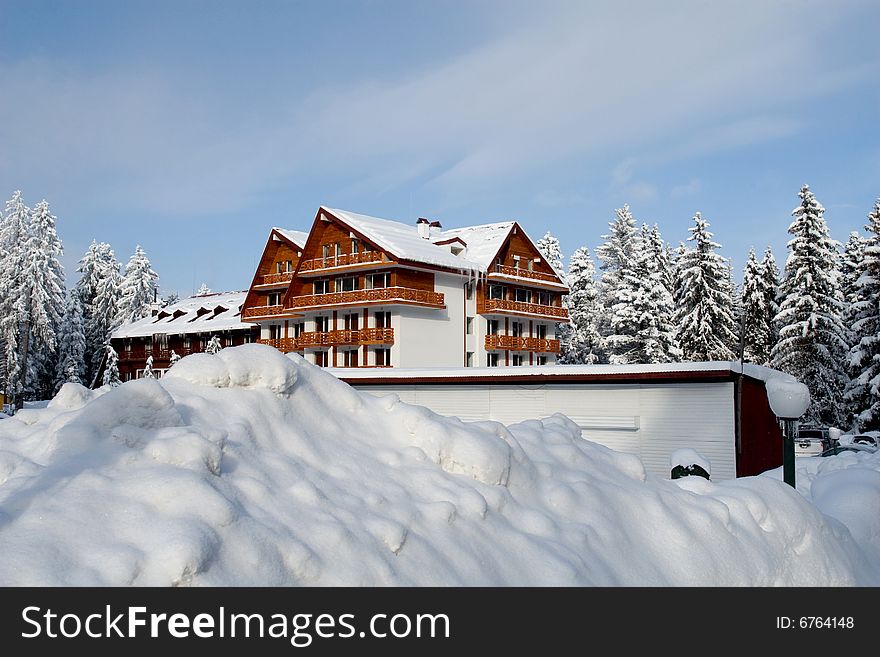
[(470, 326), (355, 245), (350, 358), (283, 266), (541, 331), (469, 359), (321, 358), (516, 262), (383, 357), (469, 291), (322, 286), (377, 281), (516, 360), (274, 299), (351, 321), (298, 329), (187, 343), (347, 284), (492, 359), (383, 320), (516, 329), (247, 338), (542, 298), (322, 323), (492, 327), (523, 295), (326, 252), (540, 360), (496, 291), (531, 265), (128, 345)]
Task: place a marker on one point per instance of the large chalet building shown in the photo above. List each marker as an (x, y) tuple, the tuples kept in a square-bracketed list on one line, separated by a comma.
[(360, 291)]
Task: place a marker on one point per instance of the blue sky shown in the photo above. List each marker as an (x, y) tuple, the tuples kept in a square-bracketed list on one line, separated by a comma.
[(193, 127)]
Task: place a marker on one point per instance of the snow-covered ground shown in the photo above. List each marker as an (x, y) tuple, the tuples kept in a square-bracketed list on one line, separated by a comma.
[(253, 468)]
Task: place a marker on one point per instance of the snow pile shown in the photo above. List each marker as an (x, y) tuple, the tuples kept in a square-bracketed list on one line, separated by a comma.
[(252, 468)]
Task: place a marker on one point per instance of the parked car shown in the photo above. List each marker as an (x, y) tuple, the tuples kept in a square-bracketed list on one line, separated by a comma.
[(853, 447), (869, 438), (812, 441)]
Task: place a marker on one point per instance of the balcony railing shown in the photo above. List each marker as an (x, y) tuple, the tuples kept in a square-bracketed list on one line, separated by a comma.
[(140, 353), (281, 344), (276, 278), (384, 294), (521, 307), (343, 260), (525, 273), (262, 311), (346, 336), (519, 343)]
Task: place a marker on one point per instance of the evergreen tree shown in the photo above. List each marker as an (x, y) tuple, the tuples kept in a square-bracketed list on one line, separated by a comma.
[(148, 369), (111, 368), (771, 285), (584, 344), (169, 299), (758, 310), (138, 289), (204, 290), (213, 345), (13, 236), (103, 308), (812, 339), (41, 301), (72, 343), (617, 260), (704, 317), (863, 390), (552, 251)]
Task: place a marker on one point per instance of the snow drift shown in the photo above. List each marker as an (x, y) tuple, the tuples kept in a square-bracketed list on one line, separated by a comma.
[(253, 468)]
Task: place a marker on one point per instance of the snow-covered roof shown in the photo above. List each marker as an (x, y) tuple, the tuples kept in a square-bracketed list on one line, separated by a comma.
[(201, 313), (482, 242), (298, 237), (549, 371), (403, 241)]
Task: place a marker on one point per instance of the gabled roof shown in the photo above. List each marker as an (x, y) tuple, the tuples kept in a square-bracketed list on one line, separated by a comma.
[(201, 313), (483, 242), (298, 237), (403, 241)]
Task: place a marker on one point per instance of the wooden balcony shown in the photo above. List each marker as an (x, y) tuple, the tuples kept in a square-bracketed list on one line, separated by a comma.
[(277, 279), (519, 272), (381, 295), (283, 345), (346, 337), (518, 343), (262, 311), (343, 260), (505, 306)]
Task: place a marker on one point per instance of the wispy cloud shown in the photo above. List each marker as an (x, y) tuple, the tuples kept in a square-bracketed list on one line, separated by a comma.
[(689, 188), (569, 81)]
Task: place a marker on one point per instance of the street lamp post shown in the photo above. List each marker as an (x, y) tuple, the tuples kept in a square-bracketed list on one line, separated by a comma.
[(789, 400)]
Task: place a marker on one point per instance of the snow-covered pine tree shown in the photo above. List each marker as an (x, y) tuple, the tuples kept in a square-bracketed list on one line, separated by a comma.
[(41, 301), (665, 347), (174, 358), (704, 308), (757, 312), (148, 369), (213, 345), (101, 319), (13, 236), (812, 341), (552, 251), (616, 257), (863, 390), (111, 368), (169, 299), (771, 286), (138, 288), (72, 343), (583, 344), (204, 290)]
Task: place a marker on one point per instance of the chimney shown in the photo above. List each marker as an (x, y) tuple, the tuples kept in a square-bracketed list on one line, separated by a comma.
[(424, 229), (434, 228)]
